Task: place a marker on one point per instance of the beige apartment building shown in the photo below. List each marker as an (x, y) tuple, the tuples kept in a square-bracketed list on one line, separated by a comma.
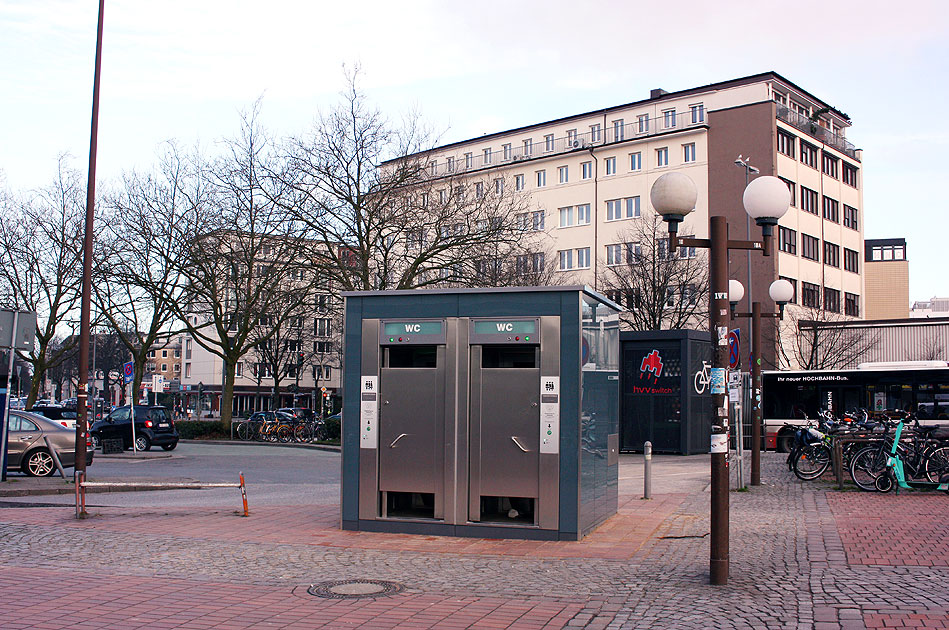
[(588, 178), (887, 279)]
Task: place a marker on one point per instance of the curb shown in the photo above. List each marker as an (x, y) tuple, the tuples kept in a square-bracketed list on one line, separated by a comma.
[(317, 447)]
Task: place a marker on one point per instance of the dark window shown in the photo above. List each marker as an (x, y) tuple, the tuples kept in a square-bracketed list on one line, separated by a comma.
[(808, 200), (831, 254), (794, 285), (830, 165), (831, 300), (809, 154), (786, 143), (851, 304), (787, 240), (850, 175), (850, 217), (851, 260), (810, 294), (791, 187), (831, 210), (810, 247)]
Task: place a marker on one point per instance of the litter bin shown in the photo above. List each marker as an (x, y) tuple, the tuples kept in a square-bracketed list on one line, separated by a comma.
[(480, 412)]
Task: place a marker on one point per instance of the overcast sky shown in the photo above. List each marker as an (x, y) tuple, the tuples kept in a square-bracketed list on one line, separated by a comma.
[(185, 69)]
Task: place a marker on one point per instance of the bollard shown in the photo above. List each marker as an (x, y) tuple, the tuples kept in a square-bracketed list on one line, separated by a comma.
[(647, 470)]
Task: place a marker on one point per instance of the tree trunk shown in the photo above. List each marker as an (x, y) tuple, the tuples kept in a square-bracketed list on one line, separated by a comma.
[(227, 395)]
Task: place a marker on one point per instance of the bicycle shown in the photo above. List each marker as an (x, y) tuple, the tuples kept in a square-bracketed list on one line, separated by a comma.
[(703, 377), (937, 475)]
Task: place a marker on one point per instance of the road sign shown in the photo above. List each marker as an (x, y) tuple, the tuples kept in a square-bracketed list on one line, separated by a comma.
[(158, 383), (322, 389), (734, 348), (128, 371)]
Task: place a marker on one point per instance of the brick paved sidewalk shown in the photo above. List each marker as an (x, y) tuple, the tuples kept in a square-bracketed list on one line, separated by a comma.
[(796, 562)]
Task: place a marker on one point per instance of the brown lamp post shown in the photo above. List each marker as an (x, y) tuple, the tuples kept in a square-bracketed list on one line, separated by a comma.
[(766, 199), (781, 291)]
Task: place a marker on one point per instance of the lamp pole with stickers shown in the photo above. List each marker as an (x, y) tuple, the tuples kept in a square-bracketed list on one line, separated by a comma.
[(766, 199)]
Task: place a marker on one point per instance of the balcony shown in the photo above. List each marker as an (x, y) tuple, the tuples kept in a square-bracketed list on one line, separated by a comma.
[(815, 130), (541, 148)]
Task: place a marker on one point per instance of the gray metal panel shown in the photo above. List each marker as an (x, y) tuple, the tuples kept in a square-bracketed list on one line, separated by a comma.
[(474, 433), (612, 449), (510, 432), (456, 422), (548, 505), (368, 458)]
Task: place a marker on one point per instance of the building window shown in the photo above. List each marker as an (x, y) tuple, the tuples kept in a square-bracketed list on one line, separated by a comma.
[(793, 286), (563, 173), (566, 216), (888, 252), (668, 118), (698, 113), (852, 304), (450, 164), (506, 151), (594, 133), (662, 156), (433, 167), (618, 133), (529, 263), (322, 327), (851, 260), (583, 214), (533, 221), (809, 154), (518, 182), (831, 300), (528, 147), (831, 210), (566, 259), (622, 253), (830, 165), (792, 188), (808, 200), (583, 258), (643, 122), (541, 179), (187, 370), (469, 160), (479, 190), (499, 186), (635, 161), (687, 252), (571, 137), (831, 254), (610, 166), (628, 208), (780, 98), (164, 354), (787, 240), (549, 142), (803, 110), (786, 143), (614, 210), (164, 367), (688, 152), (487, 156), (850, 175), (810, 247), (586, 170), (850, 217), (810, 295)]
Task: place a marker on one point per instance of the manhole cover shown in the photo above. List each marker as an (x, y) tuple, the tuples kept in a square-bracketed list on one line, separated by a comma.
[(351, 589)]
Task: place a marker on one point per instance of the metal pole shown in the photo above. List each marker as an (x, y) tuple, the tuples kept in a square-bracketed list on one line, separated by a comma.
[(718, 320), (647, 470), (739, 447), (82, 394), (756, 393)]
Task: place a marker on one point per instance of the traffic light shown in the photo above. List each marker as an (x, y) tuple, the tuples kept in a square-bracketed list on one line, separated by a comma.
[(299, 358)]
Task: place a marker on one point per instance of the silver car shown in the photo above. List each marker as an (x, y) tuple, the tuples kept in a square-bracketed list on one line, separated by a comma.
[(27, 450)]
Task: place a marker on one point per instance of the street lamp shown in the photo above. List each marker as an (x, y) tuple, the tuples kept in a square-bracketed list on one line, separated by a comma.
[(781, 292), (766, 200)]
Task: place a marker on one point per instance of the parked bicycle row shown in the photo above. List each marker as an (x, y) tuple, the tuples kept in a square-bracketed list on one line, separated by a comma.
[(891, 450), (282, 426)]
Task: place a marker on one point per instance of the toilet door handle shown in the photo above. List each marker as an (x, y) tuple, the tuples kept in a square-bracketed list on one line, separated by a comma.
[(519, 445), (397, 439)]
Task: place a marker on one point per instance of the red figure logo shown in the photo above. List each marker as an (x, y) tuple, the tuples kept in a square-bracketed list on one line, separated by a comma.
[(652, 363)]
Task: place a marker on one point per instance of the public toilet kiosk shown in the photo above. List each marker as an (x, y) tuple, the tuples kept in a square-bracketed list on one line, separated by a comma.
[(480, 412)]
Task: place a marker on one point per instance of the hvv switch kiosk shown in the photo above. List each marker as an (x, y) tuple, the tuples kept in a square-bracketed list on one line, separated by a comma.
[(480, 412)]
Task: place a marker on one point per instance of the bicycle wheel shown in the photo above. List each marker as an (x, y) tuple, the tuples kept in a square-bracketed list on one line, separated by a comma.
[(284, 433), (812, 462), (243, 431), (301, 433), (868, 464), (937, 464)]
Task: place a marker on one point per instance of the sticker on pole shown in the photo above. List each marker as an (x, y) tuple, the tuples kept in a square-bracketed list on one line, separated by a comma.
[(717, 381), (719, 443), (128, 371)]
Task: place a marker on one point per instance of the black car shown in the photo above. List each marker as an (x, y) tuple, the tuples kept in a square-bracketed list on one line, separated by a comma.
[(153, 426)]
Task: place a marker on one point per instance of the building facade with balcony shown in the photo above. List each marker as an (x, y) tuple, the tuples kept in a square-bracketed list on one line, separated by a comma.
[(588, 177)]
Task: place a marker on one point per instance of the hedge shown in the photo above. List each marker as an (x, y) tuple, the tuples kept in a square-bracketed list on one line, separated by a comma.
[(201, 430)]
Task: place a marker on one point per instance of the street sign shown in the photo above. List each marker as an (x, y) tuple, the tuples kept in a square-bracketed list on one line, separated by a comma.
[(128, 372), (322, 389), (158, 383), (734, 348)]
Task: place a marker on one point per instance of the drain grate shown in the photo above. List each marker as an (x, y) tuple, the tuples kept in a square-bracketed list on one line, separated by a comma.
[(354, 589)]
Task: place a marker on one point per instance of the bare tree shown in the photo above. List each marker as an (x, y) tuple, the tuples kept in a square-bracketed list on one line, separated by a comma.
[(660, 290), (816, 339), (41, 264), (388, 217)]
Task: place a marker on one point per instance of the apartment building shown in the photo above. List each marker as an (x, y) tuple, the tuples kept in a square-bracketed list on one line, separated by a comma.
[(588, 178), (887, 278)]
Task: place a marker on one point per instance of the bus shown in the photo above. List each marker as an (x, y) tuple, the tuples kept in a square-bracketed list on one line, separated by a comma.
[(788, 397)]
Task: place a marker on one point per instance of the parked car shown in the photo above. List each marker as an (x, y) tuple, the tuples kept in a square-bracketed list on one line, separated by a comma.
[(62, 415), (299, 413), (27, 450), (153, 426)]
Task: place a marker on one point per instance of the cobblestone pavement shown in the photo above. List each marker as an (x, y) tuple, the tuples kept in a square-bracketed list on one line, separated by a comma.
[(790, 568)]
